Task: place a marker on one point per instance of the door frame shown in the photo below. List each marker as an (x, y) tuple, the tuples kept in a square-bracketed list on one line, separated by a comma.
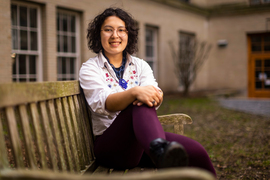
[(252, 56)]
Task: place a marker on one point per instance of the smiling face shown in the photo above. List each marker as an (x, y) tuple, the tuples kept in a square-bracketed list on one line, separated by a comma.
[(113, 44)]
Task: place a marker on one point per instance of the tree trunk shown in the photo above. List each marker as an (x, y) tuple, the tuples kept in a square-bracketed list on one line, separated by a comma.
[(186, 90)]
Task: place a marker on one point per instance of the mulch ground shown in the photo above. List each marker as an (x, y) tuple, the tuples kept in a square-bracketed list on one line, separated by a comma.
[(237, 143)]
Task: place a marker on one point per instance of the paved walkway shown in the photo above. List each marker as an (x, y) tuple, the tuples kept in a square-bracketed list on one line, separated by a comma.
[(253, 106)]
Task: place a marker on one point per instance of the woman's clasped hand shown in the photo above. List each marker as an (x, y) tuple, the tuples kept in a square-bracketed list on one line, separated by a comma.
[(148, 95)]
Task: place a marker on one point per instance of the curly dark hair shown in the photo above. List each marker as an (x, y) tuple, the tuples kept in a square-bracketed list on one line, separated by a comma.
[(94, 27)]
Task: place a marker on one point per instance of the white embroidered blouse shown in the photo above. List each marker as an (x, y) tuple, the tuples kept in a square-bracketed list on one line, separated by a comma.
[(98, 81)]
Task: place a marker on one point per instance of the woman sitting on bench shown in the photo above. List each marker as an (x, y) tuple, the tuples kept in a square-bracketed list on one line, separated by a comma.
[(123, 96)]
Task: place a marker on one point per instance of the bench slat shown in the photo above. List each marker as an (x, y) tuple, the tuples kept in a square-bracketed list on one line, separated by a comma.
[(57, 135), (65, 134), (136, 169), (77, 132), (39, 135), (48, 135), (117, 172), (27, 137), (148, 169), (71, 134), (88, 128), (4, 164), (15, 139), (101, 170), (84, 139), (168, 174), (21, 93)]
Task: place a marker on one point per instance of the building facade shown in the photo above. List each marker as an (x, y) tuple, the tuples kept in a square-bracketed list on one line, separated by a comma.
[(45, 40)]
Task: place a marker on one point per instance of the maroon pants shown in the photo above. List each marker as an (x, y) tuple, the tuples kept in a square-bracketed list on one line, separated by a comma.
[(125, 142)]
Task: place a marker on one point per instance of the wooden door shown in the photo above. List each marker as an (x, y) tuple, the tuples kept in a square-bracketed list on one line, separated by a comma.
[(259, 65)]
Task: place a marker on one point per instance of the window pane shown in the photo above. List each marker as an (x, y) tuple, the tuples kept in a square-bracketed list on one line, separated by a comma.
[(73, 26), (151, 64), (72, 66), (267, 75), (64, 21), (267, 47), (33, 17), (14, 71), (258, 63), (14, 14), (73, 44), (267, 63), (149, 36), (32, 64), (258, 74), (256, 39), (259, 85), (149, 51), (59, 65), (64, 65), (34, 40), (65, 43), (256, 48), (267, 38), (23, 16), (58, 43), (58, 21), (23, 40), (14, 39), (22, 79), (32, 79), (22, 64)]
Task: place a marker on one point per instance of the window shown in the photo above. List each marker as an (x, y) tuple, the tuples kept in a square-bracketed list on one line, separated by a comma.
[(151, 47), (186, 55), (260, 43), (260, 69), (25, 24), (185, 43), (256, 2), (67, 45)]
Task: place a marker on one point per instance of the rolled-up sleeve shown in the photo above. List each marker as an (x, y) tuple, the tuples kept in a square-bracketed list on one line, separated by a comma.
[(94, 86), (146, 75)]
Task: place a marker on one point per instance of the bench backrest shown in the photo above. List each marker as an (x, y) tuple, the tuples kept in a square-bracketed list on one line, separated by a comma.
[(45, 126)]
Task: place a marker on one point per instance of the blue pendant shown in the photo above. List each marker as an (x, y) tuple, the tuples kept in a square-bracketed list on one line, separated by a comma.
[(123, 83)]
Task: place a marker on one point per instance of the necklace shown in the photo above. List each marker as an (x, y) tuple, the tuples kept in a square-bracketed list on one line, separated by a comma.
[(119, 71)]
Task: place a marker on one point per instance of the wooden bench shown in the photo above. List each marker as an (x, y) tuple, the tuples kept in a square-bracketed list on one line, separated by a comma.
[(45, 133)]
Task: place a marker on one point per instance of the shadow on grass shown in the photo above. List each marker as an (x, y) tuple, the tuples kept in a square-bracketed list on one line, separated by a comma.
[(237, 143)]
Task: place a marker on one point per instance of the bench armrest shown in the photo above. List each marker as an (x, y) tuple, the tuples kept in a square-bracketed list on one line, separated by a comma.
[(175, 122)]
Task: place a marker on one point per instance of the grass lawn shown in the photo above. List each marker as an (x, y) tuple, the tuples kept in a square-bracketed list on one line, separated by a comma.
[(237, 143)]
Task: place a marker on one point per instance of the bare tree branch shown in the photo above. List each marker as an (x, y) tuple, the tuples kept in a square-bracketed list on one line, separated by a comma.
[(188, 60)]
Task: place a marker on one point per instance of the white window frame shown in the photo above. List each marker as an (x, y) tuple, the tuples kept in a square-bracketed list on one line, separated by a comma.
[(154, 43), (37, 53), (77, 54)]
